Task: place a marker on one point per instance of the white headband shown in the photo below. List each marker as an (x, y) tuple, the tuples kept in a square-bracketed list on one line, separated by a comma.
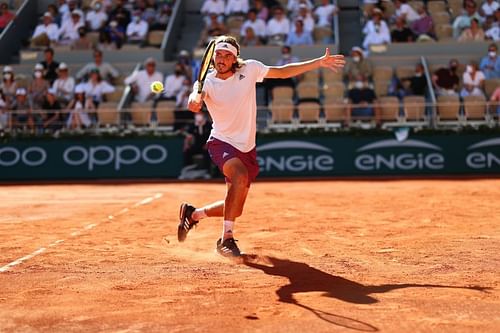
[(227, 47)]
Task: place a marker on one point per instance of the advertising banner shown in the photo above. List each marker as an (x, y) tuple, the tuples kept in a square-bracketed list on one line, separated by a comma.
[(91, 159)]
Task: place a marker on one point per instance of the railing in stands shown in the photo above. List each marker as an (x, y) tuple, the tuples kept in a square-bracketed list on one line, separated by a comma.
[(127, 93), (173, 29), (432, 94), (18, 29), (336, 32)]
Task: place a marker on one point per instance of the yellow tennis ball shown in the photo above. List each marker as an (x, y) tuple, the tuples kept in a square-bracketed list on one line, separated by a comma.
[(157, 87)]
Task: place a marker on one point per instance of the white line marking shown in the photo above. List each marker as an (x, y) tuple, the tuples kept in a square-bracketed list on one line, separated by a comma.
[(22, 259), (19, 261)]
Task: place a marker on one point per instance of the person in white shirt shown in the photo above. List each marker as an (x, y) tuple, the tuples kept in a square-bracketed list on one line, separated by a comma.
[(473, 81), (489, 7), (293, 6), (141, 81), (324, 14), (97, 17), (258, 25), (229, 95), (306, 17), (406, 11), (278, 27), (96, 87), (376, 30), (173, 83), (45, 33), (137, 29), (69, 29), (67, 9), (236, 7), (64, 85), (213, 6)]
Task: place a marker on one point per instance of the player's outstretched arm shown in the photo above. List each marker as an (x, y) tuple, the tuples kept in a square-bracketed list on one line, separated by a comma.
[(334, 62)]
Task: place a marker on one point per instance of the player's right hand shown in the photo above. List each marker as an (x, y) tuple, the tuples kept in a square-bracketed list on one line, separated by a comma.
[(193, 106)]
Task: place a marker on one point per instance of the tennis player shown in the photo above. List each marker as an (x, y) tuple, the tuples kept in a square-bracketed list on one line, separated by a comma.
[(229, 94)]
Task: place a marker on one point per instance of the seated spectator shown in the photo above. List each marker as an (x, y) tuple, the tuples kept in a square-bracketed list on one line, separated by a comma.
[(64, 85), (173, 84), (491, 27), (66, 9), (68, 33), (5, 16), (112, 36), (79, 110), (423, 26), (495, 102), (405, 11), (83, 42), (190, 66), (96, 87), (52, 117), (197, 135), (22, 111), (293, 6), (148, 10), (401, 33), (258, 25), (446, 80), (464, 21), (9, 84), (306, 17), (262, 10), (490, 64), (183, 95), (488, 8), (286, 58), (236, 8), (45, 33), (299, 36), (137, 30), (213, 29), (216, 7), (54, 12), (413, 85), (362, 100), (4, 114), (249, 38), (121, 15), (473, 81), (106, 70), (96, 18), (376, 31), (324, 14), (162, 17), (278, 27), (472, 34), (358, 65), (141, 81), (38, 87), (50, 66)]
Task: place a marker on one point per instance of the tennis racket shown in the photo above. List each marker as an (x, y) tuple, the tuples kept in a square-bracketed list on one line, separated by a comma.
[(205, 66)]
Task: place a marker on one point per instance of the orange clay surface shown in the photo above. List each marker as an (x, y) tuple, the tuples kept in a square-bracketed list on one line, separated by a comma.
[(325, 256)]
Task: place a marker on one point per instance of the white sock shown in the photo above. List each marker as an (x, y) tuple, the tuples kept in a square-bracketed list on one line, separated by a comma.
[(227, 231), (199, 214)]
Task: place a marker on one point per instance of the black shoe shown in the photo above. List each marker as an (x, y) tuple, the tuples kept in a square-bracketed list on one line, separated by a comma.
[(228, 248), (186, 223)]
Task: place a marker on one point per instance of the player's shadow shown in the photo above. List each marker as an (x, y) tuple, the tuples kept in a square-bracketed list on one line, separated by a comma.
[(304, 278)]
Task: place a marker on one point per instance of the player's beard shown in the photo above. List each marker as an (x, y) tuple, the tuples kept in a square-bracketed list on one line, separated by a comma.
[(222, 68)]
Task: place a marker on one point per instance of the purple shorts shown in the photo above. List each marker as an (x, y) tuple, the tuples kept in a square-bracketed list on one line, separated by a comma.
[(221, 152)]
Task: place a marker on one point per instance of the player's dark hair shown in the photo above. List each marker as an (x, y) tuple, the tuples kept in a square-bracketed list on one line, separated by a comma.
[(231, 40)]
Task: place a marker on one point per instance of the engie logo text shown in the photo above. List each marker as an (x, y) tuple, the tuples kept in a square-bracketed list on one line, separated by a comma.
[(484, 155)]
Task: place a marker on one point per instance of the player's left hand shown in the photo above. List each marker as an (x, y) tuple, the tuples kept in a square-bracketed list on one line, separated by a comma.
[(335, 62)]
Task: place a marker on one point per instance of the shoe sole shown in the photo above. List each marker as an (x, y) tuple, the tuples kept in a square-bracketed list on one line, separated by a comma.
[(181, 232)]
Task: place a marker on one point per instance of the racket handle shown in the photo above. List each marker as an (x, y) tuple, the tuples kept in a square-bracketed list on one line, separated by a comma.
[(197, 98)]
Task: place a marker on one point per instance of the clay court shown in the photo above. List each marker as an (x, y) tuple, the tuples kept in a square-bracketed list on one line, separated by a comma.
[(325, 256)]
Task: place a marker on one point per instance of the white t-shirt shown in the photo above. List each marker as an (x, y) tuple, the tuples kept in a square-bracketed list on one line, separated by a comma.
[(97, 90), (173, 85), (324, 14), (140, 28), (143, 81), (258, 26), (52, 31), (96, 19), (478, 78), (275, 27), (489, 9), (232, 104), (213, 6), (406, 9), (236, 6)]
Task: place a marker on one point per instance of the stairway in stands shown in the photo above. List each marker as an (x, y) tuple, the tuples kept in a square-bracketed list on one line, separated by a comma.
[(349, 25)]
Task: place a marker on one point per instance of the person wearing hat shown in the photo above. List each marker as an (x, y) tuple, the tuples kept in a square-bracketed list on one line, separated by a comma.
[(9, 84), (22, 111), (357, 64), (306, 17), (51, 117), (294, 6), (376, 30), (64, 85), (38, 86), (46, 32), (141, 81), (137, 29), (69, 29), (79, 110)]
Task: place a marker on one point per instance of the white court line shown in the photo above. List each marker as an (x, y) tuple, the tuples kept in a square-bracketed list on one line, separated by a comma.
[(77, 233)]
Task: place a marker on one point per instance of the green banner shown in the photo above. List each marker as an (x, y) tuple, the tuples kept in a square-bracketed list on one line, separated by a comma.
[(358, 156), (91, 159)]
